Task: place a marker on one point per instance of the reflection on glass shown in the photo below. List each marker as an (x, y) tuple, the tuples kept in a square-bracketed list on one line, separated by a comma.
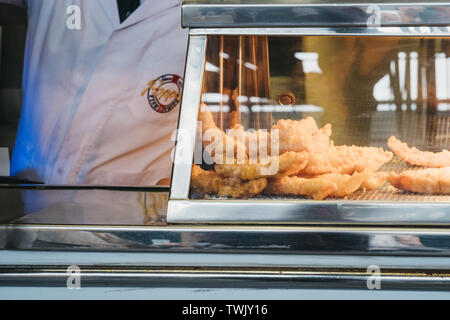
[(237, 80)]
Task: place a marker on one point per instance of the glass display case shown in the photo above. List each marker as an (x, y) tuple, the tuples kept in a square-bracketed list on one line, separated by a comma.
[(316, 125)]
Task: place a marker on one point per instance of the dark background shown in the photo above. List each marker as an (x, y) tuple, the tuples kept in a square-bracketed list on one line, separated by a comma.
[(13, 28)]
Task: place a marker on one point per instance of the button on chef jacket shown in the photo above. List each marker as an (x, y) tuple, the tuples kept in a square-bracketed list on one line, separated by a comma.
[(91, 112)]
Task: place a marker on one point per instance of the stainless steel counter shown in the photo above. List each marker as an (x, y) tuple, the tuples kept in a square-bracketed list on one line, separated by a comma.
[(119, 239)]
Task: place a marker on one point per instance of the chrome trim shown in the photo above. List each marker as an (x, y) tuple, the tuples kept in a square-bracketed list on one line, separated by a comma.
[(187, 125), (309, 212), (10, 258), (410, 31), (297, 2), (300, 14), (229, 240), (92, 276)]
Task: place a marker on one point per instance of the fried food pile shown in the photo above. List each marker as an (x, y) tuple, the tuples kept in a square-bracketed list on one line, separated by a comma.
[(212, 183), (288, 163), (435, 179), (308, 164)]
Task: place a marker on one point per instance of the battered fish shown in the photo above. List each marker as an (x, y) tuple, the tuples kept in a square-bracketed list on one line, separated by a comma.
[(429, 181), (374, 180), (346, 160), (325, 157), (328, 185), (419, 158), (302, 135), (257, 143), (215, 141), (348, 184), (357, 159), (289, 163), (317, 188), (210, 182)]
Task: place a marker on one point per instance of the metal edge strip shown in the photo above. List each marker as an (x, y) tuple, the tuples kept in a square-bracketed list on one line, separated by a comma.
[(237, 278), (422, 31), (432, 242), (185, 142), (50, 259), (306, 212), (313, 15)]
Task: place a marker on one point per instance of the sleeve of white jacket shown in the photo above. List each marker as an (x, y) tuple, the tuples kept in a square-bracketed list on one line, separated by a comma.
[(21, 3)]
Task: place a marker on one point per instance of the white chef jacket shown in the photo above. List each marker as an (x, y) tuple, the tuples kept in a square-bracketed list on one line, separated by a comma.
[(100, 102)]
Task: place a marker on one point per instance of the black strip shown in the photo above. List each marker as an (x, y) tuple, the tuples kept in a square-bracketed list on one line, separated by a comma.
[(126, 8)]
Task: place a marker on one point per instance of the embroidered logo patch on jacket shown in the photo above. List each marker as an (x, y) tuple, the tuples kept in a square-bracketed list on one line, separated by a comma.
[(164, 93)]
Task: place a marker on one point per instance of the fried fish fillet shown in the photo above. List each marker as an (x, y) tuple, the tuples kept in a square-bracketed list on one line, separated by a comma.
[(416, 157), (348, 184), (429, 181), (302, 135), (215, 140), (257, 143), (288, 163), (374, 180), (357, 159), (210, 182), (346, 160), (318, 188), (325, 157), (327, 185)]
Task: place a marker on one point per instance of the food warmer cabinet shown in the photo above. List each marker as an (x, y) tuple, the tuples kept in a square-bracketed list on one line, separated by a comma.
[(268, 85), (286, 72)]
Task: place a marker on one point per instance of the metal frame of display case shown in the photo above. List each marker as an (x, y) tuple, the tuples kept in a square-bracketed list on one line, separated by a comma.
[(226, 257), (310, 13)]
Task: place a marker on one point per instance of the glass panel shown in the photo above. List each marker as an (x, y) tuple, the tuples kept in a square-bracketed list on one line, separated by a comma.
[(324, 109), (281, 2), (83, 206), (12, 47)]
